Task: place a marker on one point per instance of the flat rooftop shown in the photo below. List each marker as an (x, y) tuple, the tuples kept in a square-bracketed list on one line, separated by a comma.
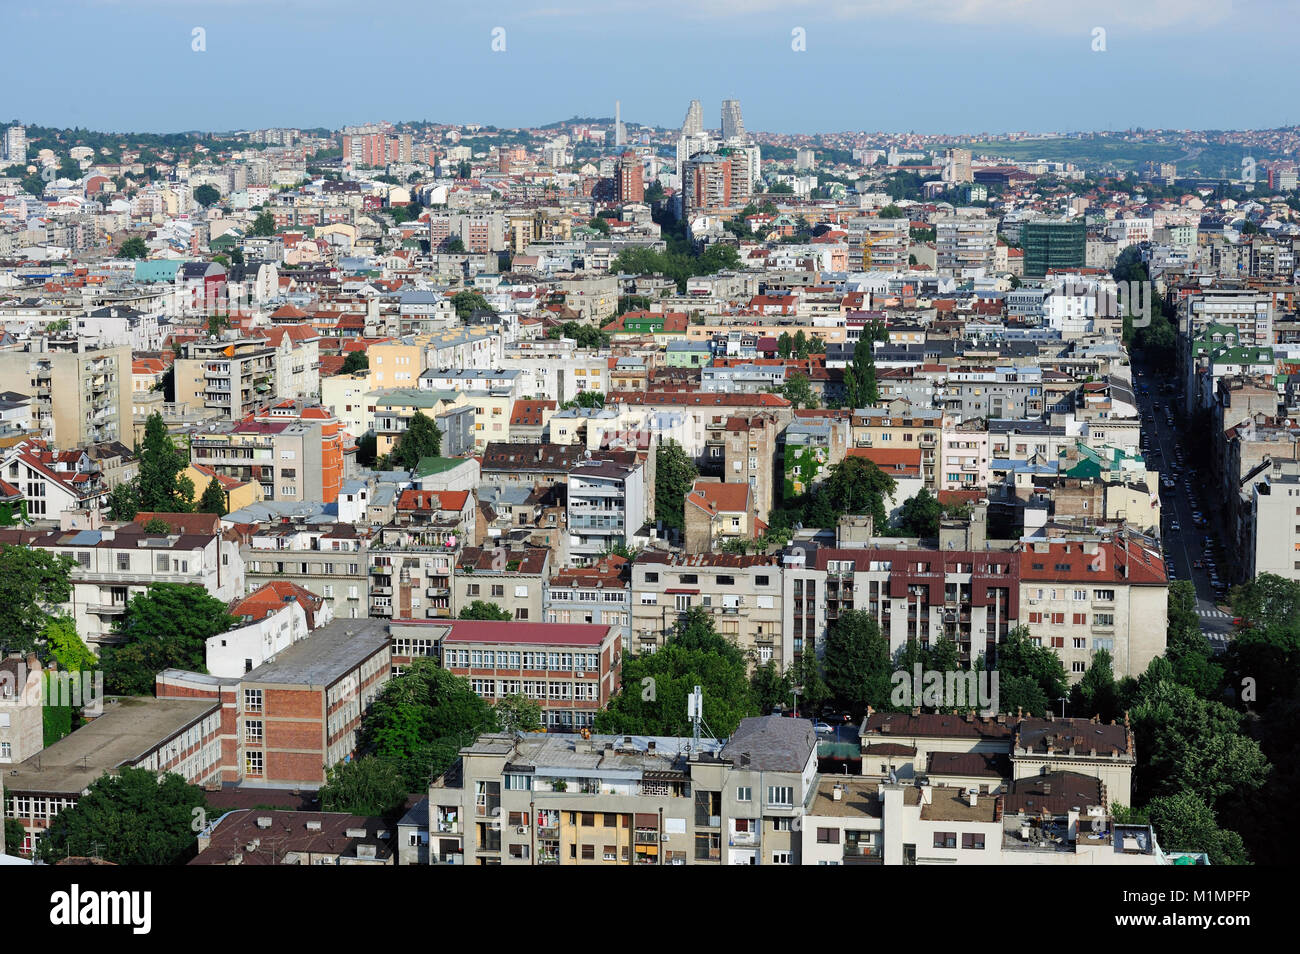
[(858, 799), (128, 729), (324, 656)]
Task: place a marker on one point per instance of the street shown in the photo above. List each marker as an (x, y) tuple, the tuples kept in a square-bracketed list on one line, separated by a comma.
[(1184, 539)]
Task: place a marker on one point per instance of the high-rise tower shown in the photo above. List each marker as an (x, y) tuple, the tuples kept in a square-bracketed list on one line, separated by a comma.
[(732, 125), (693, 124)]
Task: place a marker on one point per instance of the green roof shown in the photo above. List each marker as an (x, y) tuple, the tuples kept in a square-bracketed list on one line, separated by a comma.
[(158, 270), (428, 466)]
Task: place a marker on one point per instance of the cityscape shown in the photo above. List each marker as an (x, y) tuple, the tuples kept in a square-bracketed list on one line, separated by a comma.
[(609, 493)]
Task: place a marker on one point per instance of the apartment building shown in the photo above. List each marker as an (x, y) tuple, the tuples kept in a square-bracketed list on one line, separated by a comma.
[(741, 594), (624, 800), (598, 594), (608, 504), (1080, 596), (966, 593), (291, 458), (51, 483), (964, 246), (556, 369), (571, 669), (113, 564), (903, 425), (411, 561), (513, 579), (391, 412), (79, 394), (880, 245), (330, 560), (717, 513), (1057, 819), (232, 376)]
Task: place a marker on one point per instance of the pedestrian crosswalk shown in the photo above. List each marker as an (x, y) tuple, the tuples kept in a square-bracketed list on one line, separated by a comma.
[(1212, 614)]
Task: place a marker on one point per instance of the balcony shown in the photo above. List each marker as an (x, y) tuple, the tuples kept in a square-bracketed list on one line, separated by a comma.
[(742, 839)]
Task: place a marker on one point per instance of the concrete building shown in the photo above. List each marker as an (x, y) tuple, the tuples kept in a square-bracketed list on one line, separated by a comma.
[(965, 246), (571, 669), (161, 735), (233, 376), (615, 800), (80, 394), (329, 560), (608, 504), (741, 594)]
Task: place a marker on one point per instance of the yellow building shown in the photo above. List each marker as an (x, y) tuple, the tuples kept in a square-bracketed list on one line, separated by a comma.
[(239, 493)]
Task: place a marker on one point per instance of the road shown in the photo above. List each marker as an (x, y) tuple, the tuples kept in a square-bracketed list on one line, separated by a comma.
[(1185, 547)]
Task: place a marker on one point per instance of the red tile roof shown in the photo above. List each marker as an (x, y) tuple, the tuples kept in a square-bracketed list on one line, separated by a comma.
[(533, 634), (713, 497)]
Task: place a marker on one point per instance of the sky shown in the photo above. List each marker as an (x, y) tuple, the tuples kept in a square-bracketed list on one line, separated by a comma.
[(929, 66)]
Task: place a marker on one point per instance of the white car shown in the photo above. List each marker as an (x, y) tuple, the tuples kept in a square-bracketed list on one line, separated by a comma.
[(1173, 525)]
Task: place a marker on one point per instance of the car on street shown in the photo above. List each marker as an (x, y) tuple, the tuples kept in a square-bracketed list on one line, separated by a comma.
[(1175, 526)]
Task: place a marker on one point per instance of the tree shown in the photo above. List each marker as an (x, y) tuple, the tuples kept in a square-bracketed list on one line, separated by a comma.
[(1030, 677), (771, 687), (468, 302), (599, 225), (675, 474), (784, 344), (356, 361), (367, 786), (1186, 646), (133, 247), (206, 195), (1183, 822), (652, 700), (367, 446), (163, 487), (891, 211), (857, 486), (806, 677), (860, 388), (62, 642), (132, 818), (518, 713), (263, 225), (15, 835), (165, 627), (798, 391), (422, 718), (213, 499), (32, 581), (422, 438), (590, 399), (482, 609), (920, 515), (464, 170), (1096, 693), (856, 662)]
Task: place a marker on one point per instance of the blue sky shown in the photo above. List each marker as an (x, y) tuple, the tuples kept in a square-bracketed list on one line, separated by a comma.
[(926, 65)]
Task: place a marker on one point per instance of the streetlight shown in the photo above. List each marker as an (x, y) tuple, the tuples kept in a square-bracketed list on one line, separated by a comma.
[(1061, 700)]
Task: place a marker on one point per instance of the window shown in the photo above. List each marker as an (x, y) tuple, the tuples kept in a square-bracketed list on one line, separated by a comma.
[(588, 852), (974, 840), (945, 839), (782, 858), (253, 762), (252, 700), (744, 794), (780, 795), (253, 730), (828, 836)]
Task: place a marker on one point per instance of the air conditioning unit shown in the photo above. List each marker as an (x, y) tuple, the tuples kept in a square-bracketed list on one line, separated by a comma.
[(521, 831), (664, 836)]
